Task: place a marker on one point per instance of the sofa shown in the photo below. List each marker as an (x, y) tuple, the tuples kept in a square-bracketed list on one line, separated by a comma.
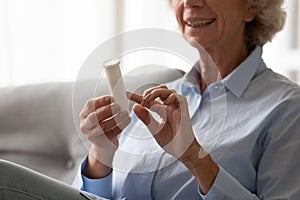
[(39, 124)]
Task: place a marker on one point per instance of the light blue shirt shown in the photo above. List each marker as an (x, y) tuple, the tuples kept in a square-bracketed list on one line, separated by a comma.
[(249, 123)]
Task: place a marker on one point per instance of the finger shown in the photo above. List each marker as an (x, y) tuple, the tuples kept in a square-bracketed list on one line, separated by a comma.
[(163, 94), (93, 119), (172, 99), (160, 110), (139, 99), (134, 97), (89, 122), (148, 91), (113, 121), (116, 130), (107, 111), (93, 104), (95, 133), (144, 115)]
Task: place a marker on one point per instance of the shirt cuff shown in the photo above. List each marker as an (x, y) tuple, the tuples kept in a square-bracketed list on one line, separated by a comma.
[(100, 187), (227, 187)]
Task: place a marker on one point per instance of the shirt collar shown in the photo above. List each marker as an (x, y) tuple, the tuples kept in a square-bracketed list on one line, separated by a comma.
[(191, 79), (237, 81)]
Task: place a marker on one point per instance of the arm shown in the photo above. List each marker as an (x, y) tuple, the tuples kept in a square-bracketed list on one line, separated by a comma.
[(277, 176), (175, 134)]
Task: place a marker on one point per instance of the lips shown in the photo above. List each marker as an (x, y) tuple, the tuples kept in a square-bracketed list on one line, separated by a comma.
[(199, 23)]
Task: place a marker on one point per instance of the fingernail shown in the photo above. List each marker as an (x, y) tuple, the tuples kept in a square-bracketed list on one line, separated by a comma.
[(128, 94), (109, 99)]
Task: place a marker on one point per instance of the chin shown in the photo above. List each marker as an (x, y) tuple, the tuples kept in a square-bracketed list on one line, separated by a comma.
[(196, 42)]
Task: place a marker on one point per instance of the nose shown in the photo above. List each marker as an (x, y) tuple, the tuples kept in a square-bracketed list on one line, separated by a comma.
[(194, 3)]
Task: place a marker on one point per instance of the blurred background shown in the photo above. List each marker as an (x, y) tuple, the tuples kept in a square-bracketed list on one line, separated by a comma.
[(48, 40)]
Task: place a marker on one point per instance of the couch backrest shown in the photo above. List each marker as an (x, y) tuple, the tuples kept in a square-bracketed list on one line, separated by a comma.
[(39, 125)]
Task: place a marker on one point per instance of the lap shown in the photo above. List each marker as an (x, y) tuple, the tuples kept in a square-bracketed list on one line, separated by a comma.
[(18, 182)]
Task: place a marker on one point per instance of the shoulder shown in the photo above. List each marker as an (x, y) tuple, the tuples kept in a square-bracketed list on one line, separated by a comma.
[(285, 88), (275, 87), (283, 99)]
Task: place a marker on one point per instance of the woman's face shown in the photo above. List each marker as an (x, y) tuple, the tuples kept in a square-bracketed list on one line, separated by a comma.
[(213, 23)]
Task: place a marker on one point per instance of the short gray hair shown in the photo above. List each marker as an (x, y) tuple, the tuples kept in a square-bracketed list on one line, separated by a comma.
[(270, 19)]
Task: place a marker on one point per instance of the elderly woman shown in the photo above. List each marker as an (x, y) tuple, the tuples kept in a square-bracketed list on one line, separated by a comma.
[(256, 117), (250, 115)]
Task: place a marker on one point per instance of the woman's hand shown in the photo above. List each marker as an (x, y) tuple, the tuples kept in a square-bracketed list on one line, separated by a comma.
[(174, 133), (101, 121)]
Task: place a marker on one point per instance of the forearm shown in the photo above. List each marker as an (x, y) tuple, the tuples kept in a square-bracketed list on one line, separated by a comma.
[(215, 182), (201, 166)]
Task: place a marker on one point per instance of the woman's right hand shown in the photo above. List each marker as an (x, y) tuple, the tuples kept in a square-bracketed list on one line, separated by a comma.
[(101, 121)]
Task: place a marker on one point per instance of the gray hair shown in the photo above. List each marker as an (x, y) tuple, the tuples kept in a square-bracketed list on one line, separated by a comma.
[(270, 19)]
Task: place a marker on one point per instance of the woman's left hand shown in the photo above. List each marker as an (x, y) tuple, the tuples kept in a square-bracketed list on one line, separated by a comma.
[(174, 132)]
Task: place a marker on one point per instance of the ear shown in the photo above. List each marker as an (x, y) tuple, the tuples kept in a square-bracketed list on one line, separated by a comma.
[(250, 14)]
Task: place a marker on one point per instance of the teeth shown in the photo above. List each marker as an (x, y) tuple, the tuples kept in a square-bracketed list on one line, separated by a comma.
[(199, 23)]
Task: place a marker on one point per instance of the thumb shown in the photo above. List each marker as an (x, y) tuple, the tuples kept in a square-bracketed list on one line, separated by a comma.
[(145, 116)]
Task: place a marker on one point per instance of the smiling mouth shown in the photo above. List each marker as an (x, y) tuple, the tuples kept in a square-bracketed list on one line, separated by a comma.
[(200, 23)]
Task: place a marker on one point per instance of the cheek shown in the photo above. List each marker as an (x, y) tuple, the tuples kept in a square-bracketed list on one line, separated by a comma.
[(179, 17), (180, 24), (229, 21)]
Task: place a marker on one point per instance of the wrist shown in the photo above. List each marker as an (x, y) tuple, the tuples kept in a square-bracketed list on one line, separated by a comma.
[(193, 156), (99, 163), (201, 165), (104, 156), (94, 169)]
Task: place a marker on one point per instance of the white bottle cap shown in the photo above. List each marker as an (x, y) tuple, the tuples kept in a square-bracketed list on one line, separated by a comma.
[(116, 83)]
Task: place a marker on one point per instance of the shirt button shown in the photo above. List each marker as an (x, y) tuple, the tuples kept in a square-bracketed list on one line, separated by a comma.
[(217, 87)]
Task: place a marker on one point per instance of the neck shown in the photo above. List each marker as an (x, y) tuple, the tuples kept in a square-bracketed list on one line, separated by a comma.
[(217, 63)]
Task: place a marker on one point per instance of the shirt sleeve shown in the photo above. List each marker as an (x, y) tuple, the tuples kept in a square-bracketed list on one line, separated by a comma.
[(278, 174), (226, 187), (101, 187)]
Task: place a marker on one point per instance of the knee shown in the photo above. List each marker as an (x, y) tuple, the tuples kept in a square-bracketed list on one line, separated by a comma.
[(4, 164), (7, 171)]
